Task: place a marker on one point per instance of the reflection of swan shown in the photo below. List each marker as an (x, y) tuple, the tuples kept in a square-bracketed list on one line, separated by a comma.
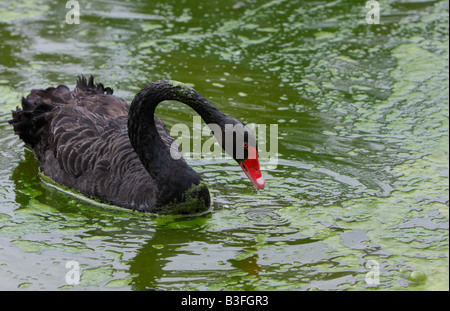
[(24, 179), (93, 142), (170, 260)]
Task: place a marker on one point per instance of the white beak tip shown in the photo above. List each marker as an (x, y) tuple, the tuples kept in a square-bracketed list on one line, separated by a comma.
[(261, 181)]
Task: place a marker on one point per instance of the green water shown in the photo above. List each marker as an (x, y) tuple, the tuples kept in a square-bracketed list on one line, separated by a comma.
[(362, 174)]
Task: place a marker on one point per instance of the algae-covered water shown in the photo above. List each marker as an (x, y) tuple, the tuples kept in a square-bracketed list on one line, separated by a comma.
[(358, 198)]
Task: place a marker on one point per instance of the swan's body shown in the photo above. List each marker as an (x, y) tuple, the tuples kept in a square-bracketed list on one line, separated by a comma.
[(93, 142)]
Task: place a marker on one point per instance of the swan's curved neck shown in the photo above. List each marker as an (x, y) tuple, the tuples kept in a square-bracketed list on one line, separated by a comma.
[(173, 177)]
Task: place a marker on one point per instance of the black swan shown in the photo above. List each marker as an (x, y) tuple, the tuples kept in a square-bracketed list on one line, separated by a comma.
[(99, 145)]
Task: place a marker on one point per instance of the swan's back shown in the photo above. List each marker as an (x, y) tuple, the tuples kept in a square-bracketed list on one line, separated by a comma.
[(81, 140)]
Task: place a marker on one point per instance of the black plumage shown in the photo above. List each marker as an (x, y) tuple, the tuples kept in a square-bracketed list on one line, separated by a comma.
[(91, 141)]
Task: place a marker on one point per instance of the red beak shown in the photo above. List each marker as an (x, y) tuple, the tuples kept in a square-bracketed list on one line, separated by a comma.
[(250, 166)]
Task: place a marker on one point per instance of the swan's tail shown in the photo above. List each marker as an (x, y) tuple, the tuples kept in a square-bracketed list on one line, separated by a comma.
[(31, 121), (91, 88)]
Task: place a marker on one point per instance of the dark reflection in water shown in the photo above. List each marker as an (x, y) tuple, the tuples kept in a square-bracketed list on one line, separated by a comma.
[(158, 262)]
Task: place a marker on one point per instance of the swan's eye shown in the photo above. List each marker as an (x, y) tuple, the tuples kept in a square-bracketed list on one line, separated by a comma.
[(246, 145)]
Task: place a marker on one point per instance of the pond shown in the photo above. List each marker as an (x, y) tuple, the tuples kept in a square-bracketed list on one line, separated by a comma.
[(357, 198)]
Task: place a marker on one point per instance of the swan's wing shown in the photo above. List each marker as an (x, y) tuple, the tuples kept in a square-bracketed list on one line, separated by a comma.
[(81, 141)]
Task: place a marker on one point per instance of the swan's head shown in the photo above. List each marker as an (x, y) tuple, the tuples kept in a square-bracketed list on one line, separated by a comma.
[(239, 142), (248, 158)]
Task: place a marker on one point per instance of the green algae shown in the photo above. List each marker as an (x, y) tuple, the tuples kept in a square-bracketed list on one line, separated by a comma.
[(22, 9), (191, 204), (28, 246), (9, 99), (94, 276), (417, 276), (120, 283)]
